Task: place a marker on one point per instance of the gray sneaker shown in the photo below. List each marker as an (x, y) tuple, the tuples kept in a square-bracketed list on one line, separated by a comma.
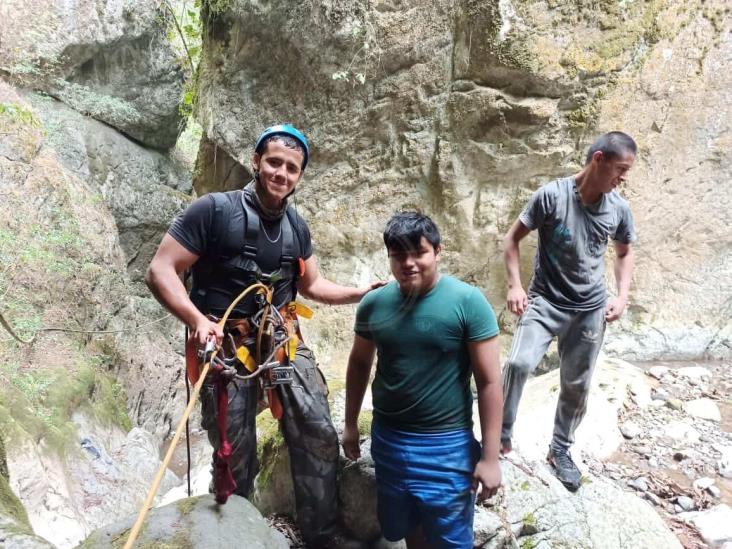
[(564, 468)]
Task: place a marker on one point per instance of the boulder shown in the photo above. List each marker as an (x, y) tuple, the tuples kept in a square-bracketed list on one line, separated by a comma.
[(194, 523), (599, 515), (703, 408), (598, 435), (112, 61), (714, 525)]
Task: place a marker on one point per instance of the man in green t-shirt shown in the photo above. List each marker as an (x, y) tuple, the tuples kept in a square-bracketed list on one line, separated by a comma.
[(429, 332)]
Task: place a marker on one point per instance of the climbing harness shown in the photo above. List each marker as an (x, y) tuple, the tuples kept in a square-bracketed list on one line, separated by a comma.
[(181, 424), (270, 333)]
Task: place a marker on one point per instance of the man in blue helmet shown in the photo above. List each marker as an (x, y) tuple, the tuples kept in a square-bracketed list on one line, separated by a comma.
[(228, 241)]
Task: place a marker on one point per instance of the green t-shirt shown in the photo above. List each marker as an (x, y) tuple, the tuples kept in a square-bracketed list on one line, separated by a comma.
[(422, 381)]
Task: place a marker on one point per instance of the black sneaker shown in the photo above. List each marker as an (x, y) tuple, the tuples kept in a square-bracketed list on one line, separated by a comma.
[(506, 446), (564, 468)]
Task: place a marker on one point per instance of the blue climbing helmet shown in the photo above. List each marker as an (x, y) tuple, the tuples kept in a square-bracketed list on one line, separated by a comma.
[(288, 130)]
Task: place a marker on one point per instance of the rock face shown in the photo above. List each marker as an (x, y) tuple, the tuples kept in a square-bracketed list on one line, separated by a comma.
[(462, 108), (64, 268), (195, 523), (15, 530), (109, 60), (144, 189), (103, 481)]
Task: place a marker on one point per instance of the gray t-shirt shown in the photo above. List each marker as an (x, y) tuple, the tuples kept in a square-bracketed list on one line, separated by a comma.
[(569, 266)]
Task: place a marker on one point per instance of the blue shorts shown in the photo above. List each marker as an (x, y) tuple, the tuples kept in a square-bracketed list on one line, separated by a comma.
[(425, 479)]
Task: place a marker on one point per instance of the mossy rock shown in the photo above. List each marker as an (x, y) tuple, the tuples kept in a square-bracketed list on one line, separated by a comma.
[(190, 524), (11, 506)]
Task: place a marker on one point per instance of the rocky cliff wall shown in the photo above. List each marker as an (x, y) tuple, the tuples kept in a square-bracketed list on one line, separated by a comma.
[(111, 60), (463, 108)]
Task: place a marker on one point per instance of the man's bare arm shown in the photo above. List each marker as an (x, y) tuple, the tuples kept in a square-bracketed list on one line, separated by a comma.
[(357, 380), (485, 361), (163, 279), (314, 286), (624, 263), (516, 300)]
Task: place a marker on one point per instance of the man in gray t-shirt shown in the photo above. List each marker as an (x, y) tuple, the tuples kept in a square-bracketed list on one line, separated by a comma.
[(575, 216)]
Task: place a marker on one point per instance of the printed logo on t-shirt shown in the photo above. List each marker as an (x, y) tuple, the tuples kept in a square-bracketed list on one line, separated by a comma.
[(559, 241), (423, 325)]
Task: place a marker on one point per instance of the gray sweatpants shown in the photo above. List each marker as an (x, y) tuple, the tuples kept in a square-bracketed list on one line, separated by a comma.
[(308, 431), (580, 335)]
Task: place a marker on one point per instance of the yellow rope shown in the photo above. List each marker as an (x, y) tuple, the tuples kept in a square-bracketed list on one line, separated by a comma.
[(196, 390)]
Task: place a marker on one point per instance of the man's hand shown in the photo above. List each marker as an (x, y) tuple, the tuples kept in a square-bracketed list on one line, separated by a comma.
[(372, 286), (487, 477), (206, 329), (516, 300), (350, 442), (615, 308)]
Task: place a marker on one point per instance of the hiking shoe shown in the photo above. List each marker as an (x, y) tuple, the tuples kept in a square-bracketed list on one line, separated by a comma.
[(506, 447), (564, 468)]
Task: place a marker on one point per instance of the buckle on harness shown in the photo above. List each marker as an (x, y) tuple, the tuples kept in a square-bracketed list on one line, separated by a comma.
[(279, 374)]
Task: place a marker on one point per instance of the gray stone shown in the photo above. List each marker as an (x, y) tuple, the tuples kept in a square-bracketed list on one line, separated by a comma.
[(703, 483), (714, 491), (486, 526), (640, 484), (626, 521), (681, 431), (383, 543), (658, 371), (653, 498), (192, 523), (714, 525), (630, 429), (675, 404), (652, 462), (686, 503), (16, 535), (724, 464), (703, 408), (660, 394), (694, 372), (144, 189), (357, 494)]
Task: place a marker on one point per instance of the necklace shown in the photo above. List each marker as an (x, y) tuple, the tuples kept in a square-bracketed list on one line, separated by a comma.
[(271, 241)]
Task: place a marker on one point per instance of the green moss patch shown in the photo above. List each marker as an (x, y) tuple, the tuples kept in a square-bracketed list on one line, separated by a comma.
[(269, 443), (40, 402), (11, 505)]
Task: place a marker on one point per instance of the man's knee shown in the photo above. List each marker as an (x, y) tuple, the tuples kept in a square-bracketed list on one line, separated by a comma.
[(576, 391), (519, 366)]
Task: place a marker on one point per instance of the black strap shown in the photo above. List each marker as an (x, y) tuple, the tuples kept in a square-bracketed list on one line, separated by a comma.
[(251, 230), (289, 253)]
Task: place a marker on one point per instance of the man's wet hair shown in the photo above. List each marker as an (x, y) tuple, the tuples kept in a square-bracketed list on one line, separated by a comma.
[(404, 231), (286, 140), (612, 144)]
